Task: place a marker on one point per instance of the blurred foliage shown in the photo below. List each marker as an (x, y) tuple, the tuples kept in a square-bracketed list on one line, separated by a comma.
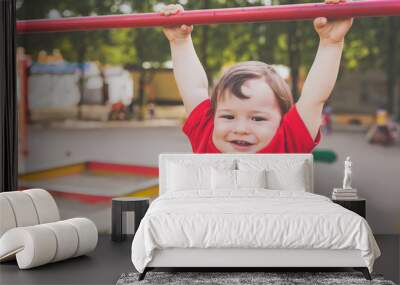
[(369, 45), (365, 45)]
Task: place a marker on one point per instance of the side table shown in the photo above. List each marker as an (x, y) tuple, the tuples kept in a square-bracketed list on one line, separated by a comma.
[(127, 212), (358, 206)]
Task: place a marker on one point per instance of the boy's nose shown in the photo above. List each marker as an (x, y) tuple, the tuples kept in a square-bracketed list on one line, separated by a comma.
[(241, 127)]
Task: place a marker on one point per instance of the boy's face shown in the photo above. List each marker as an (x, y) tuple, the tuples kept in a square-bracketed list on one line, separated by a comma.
[(246, 125)]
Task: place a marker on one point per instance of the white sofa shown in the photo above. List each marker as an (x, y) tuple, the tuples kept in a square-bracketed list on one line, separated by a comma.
[(31, 231)]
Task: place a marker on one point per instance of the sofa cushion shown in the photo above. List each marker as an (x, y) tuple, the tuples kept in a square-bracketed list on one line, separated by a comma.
[(7, 218), (23, 208)]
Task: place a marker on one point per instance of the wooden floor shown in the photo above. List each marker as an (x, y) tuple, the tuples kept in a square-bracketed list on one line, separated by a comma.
[(110, 260)]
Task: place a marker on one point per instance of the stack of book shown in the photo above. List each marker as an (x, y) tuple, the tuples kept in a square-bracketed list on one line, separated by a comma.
[(344, 194)]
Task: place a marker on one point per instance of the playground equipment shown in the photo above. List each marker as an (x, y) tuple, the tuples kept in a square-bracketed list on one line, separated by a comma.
[(88, 188), (324, 155), (369, 8)]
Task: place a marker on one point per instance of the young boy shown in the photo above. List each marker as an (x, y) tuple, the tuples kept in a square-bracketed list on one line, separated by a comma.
[(251, 109)]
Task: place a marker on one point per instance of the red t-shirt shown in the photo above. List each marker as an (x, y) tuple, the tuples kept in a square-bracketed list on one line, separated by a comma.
[(291, 136)]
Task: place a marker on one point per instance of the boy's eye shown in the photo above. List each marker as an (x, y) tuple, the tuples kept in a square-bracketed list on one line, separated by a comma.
[(257, 118), (228, 117)]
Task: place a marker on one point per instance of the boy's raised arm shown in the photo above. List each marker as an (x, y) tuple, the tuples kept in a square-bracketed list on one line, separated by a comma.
[(189, 73), (323, 73)]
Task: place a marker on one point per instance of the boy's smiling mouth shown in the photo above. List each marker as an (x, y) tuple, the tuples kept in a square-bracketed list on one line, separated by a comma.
[(241, 145)]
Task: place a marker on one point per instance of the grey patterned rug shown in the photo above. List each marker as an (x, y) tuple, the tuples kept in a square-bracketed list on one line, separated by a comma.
[(243, 278)]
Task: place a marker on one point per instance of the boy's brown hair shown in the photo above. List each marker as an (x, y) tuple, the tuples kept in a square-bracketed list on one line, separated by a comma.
[(233, 79)]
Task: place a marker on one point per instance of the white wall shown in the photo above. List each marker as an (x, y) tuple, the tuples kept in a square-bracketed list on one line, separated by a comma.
[(54, 147)]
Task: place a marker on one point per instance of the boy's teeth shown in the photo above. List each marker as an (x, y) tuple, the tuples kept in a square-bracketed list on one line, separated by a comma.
[(243, 143)]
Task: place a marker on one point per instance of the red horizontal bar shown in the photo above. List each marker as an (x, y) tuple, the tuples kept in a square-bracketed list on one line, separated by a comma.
[(123, 168), (369, 8), (85, 198)]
